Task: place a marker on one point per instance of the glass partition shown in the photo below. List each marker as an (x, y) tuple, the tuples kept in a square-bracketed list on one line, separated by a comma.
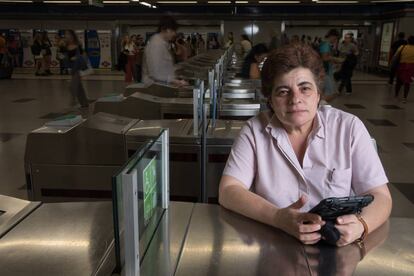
[(140, 197)]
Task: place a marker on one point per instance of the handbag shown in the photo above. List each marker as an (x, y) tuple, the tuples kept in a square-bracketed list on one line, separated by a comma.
[(395, 61)]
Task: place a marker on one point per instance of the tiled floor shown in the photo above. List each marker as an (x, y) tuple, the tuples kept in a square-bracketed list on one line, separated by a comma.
[(26, 104)]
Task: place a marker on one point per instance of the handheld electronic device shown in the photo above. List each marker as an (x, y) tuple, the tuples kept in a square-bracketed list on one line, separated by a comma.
[(331, 208)]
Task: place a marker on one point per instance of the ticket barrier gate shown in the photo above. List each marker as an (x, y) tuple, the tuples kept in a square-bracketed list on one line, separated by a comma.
[(220, 139), (185, 154), (71, 161)]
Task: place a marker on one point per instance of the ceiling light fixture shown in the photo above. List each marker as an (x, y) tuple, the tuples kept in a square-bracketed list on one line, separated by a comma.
[(176, 2), (219, 2), (116, 2), (390, 1), (278, 2), (242, 2), (61, 2), (336, 2), (16, 1)]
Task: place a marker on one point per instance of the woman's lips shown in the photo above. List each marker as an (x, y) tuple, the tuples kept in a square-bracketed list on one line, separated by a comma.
[(296, 111)]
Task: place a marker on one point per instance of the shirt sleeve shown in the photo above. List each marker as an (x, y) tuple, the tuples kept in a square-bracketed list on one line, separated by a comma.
[(367, 170), (241, 163)]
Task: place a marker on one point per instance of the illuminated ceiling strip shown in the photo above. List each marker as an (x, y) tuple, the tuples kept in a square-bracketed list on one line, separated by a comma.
[(336, 2), (390, 1), (279, 2), (116, 2), (219, 2), (60, 2), (242, 2), (177, 2), (16, 1)]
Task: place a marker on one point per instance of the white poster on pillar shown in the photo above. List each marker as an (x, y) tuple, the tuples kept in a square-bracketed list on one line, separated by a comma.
[(81, 37), (26, 37), (53, 38), (105, 43)]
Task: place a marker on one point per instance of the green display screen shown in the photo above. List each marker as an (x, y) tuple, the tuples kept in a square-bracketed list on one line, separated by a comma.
[(150, 188)]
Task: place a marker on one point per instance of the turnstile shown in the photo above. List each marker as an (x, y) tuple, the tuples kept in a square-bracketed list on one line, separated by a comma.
[(76, 162), (185, 154), (220, 139), (238, 109)]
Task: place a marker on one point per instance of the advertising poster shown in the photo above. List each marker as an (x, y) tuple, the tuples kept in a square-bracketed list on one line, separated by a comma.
[(386, 40), (105, 42), (53, 38), (26, 37)]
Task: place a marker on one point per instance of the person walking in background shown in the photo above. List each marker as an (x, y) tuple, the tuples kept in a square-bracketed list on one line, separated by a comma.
[(129, 49), (47, 53), (61, 55), (250, 67), (326, 49), (77, 63), (246, 44), (394, 47), (274, 40), (3, 48), (349, 52), (230, 40), (181, 51), (405, 69), (158, 63), (36, 50)]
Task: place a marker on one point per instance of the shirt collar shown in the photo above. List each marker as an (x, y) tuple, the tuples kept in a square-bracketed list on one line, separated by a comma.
[(275, 128)]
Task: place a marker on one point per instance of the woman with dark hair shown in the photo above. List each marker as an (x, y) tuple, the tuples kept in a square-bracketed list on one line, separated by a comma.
[(405, 70), (246, 44), (47, 53), (326, 50), (77, 63), (250, 68), (36, 50), (286, 160)]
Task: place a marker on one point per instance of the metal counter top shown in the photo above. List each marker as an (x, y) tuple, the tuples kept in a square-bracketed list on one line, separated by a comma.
[(61, 239), (220, 242)]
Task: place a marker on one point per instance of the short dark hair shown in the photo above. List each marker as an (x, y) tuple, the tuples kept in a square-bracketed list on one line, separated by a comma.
[(401, 35), (410, 40), (332, 32), (287, 58), (167, 22)]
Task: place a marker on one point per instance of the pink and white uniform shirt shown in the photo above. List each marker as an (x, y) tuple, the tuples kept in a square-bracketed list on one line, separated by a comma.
[(340, 159)]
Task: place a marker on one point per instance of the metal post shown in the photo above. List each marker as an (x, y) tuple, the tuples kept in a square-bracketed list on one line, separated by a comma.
[(131, 238), (196, 93), (166, 169)]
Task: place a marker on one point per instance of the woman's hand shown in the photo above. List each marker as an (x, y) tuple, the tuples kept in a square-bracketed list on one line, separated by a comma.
[(304, 226), (350, 229)]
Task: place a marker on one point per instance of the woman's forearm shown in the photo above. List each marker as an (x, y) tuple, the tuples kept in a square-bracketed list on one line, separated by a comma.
[(379, 210), (244, 202)]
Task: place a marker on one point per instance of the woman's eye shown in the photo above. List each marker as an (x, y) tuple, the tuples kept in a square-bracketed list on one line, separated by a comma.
[(282, 93), (306, 89)]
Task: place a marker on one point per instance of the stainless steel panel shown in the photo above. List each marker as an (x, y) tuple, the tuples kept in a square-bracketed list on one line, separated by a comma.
[(13, 210), (224, 132), (179, 129), (99, 140), (227, 104), (164, 251), (58, 183), (61, 239), (220, 242)]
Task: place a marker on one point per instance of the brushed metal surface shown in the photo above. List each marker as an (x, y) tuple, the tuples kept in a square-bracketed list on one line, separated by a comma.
[(13, 211), (220, 242), (60, 239), (162, 255)]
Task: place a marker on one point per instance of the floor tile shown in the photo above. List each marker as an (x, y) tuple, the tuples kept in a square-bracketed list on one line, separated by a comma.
[(409, 145), (390, 106), (354, 106), (24, 100), (407, 189), (4, 136), (381, 122)]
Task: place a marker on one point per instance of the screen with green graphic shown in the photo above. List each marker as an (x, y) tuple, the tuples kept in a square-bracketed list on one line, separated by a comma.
[(150, 188)]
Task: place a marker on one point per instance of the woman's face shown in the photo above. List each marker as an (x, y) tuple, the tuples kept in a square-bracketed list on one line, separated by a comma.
[(295, 97)]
